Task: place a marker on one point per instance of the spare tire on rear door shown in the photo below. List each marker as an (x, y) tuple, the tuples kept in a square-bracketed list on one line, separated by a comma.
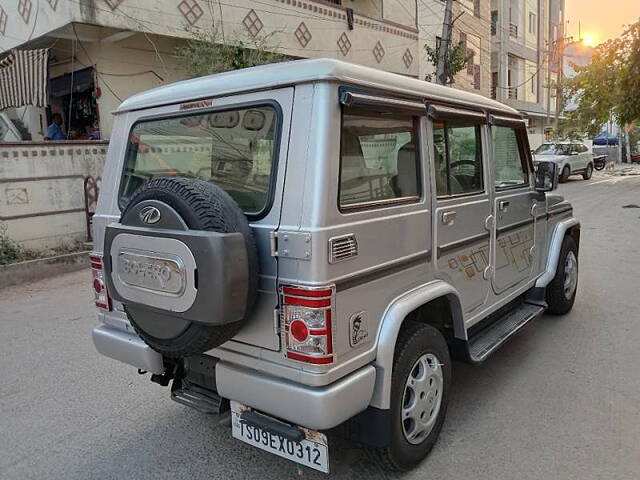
[(184, 263)]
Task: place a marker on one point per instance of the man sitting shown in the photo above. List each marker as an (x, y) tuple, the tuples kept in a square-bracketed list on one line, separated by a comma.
[(54, 132)]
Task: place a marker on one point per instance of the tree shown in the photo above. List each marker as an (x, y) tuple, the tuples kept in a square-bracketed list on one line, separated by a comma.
[(207, 52), (608, 86), (457, 60)]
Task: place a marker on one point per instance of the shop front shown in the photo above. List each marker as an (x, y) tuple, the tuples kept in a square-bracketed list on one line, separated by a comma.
[(74, 96)]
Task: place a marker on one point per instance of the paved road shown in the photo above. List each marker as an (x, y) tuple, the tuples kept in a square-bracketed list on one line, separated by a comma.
[(560, 401)]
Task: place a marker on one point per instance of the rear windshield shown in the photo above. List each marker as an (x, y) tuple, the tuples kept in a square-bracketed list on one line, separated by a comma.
[(235, 149)]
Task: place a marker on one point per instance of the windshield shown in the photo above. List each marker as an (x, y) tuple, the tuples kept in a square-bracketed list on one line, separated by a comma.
[(234, 149), (554, 149)]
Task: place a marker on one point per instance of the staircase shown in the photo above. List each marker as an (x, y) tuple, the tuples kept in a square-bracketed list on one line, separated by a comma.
[(21, 127)]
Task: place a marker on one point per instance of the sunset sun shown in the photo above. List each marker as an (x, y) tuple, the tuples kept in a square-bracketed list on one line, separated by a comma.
[(589, 40)]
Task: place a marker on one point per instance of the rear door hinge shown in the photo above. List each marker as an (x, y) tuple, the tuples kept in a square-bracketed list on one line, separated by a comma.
[(296, 245)]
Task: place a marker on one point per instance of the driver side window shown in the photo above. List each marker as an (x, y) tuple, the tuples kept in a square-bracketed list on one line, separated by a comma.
[(458, 158)]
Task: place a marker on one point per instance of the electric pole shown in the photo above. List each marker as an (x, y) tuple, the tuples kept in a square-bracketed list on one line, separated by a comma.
[(555, 58), (562, 43), (549, 53), (442, 73)]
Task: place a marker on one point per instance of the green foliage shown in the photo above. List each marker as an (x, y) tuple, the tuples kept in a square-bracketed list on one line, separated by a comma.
[(209, 51), (11, 251), (457, 61), (609, 85)]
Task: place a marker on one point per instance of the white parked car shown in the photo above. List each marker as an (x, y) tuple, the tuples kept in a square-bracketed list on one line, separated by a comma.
[(572, 158)]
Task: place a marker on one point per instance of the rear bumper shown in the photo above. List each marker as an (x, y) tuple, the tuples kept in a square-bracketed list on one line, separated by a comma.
[(126, 348), (318, 408)]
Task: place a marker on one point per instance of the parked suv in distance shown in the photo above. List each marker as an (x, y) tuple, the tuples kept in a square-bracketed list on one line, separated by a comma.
[(572, 158), (308, 245)]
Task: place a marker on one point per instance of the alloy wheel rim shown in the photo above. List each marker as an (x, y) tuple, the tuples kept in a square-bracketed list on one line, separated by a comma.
[(570, 275), (422, 398)]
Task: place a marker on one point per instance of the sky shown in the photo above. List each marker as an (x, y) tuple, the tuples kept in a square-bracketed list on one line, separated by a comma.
[(600, 20)]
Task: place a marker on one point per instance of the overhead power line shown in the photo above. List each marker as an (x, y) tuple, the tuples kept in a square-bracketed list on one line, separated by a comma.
[(73, 26)]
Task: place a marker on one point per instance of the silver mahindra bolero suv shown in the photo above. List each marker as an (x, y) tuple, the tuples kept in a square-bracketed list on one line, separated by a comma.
[(308, 245)]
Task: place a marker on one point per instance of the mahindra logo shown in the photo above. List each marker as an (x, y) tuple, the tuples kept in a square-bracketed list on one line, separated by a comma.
[(150, 215)]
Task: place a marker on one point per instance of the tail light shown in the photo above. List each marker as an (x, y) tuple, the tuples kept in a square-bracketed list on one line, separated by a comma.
[(306, 323), (99, 288)]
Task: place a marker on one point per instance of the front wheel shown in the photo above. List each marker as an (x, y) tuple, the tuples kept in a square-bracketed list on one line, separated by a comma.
[(564, 175), (588, 172), (420, 393), (561, 292)]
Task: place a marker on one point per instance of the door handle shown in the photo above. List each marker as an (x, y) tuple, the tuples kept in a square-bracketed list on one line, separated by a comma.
[(449, 217), (503, 205)]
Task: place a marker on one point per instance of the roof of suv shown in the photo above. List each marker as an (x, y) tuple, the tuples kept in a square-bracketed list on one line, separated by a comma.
[(303, 71)]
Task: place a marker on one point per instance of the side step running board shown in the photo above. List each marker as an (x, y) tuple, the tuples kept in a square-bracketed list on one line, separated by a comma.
[(487, 341), (194, 396)]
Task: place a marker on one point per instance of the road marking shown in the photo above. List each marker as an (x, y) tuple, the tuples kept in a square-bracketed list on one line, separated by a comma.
[(600, 181), (614, 180)]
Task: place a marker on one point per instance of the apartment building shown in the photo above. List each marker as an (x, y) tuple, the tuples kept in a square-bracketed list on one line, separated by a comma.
[(103, 51), (525, 60), (472, 26)]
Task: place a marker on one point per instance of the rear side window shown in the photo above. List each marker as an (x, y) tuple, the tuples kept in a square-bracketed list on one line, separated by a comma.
[(379, 159), (508, 158), (458, 158), (235, 149)]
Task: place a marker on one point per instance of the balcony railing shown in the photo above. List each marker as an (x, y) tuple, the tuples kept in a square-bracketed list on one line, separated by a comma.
[(513, 93), (513, 30), (494, 28)]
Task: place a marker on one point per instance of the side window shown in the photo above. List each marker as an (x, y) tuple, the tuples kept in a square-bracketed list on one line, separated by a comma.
[(458, 158), (379, 159), (508, 158)]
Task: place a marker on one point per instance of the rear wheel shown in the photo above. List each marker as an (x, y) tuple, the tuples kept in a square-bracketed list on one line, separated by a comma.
[(420, 393), (588, 172), (564, 175), (561, 292)]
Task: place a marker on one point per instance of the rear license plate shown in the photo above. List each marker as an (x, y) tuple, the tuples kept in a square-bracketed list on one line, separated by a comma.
[(312, 451), (151, 271)]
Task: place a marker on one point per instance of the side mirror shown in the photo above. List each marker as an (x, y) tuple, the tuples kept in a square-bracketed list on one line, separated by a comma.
[(546, 176)]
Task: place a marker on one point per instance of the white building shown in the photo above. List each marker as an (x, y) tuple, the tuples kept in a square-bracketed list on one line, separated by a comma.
[(527, 37), (116, 48), (472, 26)]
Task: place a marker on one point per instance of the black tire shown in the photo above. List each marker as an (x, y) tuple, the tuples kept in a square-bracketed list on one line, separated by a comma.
[(414, 341), (588, 172), (565, 174), (559, 303), (202, 206)]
